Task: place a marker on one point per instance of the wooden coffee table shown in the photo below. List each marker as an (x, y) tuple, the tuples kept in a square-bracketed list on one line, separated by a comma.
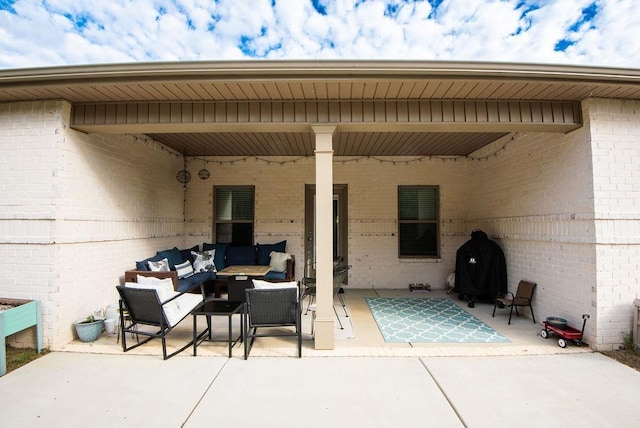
[(245, 270), (240, 277)]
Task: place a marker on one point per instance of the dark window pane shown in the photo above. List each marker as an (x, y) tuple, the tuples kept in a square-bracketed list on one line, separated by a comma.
[(418, 239), (417, 203), (234, 203), (234, 233), (418, 221), (242, 234), (234, 206)]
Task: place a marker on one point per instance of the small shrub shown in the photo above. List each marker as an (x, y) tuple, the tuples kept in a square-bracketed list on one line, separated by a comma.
[(627, 342)]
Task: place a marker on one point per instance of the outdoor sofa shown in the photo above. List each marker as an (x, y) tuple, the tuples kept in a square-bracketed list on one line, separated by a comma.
[(275, 255)]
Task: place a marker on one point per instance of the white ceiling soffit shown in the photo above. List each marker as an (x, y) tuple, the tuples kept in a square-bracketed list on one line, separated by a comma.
[(353, 85)]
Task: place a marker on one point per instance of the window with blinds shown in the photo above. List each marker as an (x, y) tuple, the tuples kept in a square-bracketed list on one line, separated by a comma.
[(234, 214), (418, 233)]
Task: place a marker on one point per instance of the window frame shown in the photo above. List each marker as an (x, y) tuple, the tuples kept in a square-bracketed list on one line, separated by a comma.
[(216, 222), (435, 221)]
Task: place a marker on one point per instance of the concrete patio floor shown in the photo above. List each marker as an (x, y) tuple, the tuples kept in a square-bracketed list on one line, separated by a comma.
[(530, 382), (368, 342)]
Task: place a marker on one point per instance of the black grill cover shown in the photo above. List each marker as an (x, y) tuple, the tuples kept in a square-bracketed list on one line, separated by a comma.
[(481, 270)]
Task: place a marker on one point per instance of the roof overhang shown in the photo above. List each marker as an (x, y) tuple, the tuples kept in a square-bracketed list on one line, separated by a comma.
[(267, 107)]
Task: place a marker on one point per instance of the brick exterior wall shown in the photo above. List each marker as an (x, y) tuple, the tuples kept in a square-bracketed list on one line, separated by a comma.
[(533, 194), (372, 211), (615, 142), (78, 210)]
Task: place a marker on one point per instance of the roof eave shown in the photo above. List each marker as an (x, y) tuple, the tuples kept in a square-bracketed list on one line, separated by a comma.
[(314, 69)]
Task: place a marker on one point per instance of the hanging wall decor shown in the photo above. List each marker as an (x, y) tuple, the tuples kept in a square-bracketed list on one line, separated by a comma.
[(183, 176), (204, 172)]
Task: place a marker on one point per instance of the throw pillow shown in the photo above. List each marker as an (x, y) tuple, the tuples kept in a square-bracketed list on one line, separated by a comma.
[(159, 266), (241, 255), (221, 253), (266, 285), (265, 249), (278, 261), (186, 254), (173, 256), (164, 287), (204, 261), (184, 270)]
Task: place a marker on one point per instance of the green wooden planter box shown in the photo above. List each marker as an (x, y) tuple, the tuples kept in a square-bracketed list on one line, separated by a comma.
[(23, 314)]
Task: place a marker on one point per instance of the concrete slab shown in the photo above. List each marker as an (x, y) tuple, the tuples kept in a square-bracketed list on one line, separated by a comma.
[(79, 390), (74, 389), (324, 392), (585, 390)]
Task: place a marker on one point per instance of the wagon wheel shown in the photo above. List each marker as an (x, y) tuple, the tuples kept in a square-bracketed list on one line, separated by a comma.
[(544, 333), (562, 343)]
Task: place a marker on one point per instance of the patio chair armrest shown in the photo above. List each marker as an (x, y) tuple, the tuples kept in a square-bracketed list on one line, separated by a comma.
[(504, 295), (291, 268)]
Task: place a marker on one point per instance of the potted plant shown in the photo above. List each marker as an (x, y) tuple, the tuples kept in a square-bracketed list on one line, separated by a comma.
[(89, 329)]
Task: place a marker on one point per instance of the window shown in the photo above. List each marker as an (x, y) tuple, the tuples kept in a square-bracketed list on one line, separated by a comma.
[(418, 221), (233, 214)]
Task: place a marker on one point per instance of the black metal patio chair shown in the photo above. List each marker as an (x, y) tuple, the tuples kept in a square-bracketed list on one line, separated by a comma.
[(270, 309), (143, 307), (339, 276)]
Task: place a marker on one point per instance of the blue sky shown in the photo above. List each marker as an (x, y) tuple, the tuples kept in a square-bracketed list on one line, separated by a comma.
[(37, 33)]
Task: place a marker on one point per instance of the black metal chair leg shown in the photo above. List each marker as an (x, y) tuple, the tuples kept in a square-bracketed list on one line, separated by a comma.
[(339, 322), (344, 305), (311, 299)]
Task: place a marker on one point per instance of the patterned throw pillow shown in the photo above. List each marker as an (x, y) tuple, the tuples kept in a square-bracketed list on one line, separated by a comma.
[(203, 261), (278, 261), (159, 266), (184, 270)]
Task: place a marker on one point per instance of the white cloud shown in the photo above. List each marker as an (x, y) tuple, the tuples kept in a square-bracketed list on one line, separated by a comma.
[(61, 32)]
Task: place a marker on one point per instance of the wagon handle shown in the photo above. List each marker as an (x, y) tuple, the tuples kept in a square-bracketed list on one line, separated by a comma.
[(584, 323)]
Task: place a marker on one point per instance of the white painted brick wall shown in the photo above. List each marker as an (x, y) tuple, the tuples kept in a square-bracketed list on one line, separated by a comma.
[(533, 194), (372, 193), (79, 210), (615, 141)]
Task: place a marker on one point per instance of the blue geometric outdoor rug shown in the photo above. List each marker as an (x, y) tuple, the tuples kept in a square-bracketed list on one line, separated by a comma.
[(403, 320)]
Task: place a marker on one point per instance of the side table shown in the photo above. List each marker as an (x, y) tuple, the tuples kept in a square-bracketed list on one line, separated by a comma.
[(213, 308)]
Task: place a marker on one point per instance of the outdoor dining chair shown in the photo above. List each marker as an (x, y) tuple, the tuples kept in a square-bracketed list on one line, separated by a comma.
[(522, 298), (269, 310), (339, 276)]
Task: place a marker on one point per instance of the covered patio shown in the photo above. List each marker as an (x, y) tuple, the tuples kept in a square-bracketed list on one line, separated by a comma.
[(542, 158)]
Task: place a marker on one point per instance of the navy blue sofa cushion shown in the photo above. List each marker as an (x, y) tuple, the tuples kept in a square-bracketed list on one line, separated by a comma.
[(276, 275), (264, 251), (173, 256), (185, 284), (241, 255), (220, 256), (186, 253), (144, 264)]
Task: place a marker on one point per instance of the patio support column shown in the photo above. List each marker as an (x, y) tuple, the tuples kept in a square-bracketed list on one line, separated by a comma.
[(324, 323)]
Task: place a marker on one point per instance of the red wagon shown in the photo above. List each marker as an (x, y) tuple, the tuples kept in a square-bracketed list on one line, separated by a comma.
[(559, 327)]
